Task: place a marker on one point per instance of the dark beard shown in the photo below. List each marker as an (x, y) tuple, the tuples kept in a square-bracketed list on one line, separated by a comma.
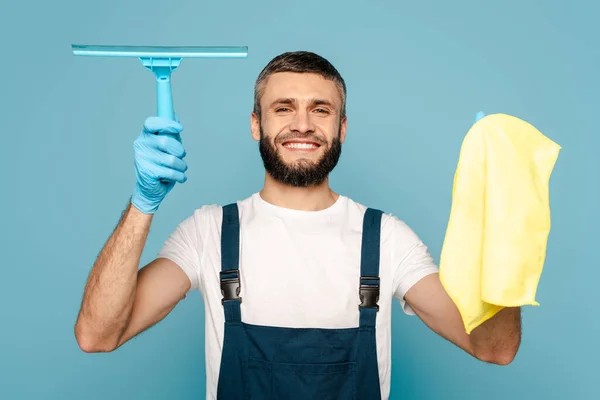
[(303, 173)]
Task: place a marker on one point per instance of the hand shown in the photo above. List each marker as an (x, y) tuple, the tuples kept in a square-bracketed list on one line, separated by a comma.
[(159, 164)]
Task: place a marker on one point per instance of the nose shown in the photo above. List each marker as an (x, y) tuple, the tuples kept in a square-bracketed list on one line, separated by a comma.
[(302, 123)]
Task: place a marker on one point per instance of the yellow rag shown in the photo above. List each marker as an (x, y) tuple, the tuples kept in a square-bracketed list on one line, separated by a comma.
[(495, 244)]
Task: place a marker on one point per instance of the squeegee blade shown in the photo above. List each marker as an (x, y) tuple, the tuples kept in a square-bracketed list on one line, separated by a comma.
[(160, 51)]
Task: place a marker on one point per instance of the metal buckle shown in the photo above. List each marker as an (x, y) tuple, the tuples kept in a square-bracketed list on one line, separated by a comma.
[(230, 287), (369, 292)]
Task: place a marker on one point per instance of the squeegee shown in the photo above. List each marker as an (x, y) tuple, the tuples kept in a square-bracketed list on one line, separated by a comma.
[(162, 61)]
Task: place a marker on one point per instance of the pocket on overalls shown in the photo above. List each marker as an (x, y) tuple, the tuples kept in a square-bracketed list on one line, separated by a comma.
[(273, 380)]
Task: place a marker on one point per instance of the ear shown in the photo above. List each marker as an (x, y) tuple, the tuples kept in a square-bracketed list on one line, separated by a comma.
[(255, 126), (343, 129)]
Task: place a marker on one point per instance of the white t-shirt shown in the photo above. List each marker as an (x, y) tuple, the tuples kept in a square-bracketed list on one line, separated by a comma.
[(281, 253)]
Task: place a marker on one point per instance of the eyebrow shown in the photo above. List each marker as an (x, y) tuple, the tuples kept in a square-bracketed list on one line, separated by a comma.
[(314, 102)]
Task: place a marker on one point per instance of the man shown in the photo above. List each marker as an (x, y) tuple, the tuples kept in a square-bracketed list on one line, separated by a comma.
[(297, 280)]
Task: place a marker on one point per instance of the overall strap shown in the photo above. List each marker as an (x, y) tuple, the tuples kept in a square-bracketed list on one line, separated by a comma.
[(230, 259), (369, 268)]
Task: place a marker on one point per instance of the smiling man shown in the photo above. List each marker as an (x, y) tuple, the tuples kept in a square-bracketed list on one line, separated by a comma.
[(297, 280), (300, 135)]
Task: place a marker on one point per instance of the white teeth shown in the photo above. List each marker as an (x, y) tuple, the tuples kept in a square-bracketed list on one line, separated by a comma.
[(300, 145)]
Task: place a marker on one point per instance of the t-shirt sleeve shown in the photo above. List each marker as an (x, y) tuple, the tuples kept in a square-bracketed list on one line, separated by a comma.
[(183, 247), (411, 260)]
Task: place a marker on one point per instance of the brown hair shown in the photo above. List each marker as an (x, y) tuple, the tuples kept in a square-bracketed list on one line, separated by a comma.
[(302, 62)]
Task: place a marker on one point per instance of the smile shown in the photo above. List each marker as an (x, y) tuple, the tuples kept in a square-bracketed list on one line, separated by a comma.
[(301, 145)]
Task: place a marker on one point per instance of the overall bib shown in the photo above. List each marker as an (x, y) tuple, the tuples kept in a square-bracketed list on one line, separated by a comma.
[(265, 362)]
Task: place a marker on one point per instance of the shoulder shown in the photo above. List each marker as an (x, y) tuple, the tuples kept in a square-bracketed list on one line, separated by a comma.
[(398, 240), (210, 216), (392, 226)]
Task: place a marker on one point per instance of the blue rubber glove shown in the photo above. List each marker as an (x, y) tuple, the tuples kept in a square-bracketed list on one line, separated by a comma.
[(159, 164)]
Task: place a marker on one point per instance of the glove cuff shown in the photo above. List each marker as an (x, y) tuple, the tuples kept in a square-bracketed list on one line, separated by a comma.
[(142, 204)]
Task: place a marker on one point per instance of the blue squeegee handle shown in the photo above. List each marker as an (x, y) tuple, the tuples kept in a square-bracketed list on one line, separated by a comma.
[(164, 98), (162, 70)]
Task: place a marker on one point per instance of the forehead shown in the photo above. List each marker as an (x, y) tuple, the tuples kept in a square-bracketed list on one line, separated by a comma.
[(300, 86)]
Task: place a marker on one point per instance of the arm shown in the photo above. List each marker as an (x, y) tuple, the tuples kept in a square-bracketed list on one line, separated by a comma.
[(495, 341), (119, 301)]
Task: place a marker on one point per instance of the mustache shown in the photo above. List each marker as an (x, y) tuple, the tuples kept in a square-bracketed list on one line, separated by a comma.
[(284, 137)]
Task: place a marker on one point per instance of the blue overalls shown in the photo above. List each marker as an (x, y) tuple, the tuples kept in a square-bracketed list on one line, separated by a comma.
[(265, 362)]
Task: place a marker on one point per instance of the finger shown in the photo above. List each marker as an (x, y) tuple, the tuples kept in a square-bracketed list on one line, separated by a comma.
[(165, 143), (166, 160), (159, 125), (164, 173)]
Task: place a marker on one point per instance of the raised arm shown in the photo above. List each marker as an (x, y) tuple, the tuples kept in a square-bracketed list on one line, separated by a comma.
[(119, 301)]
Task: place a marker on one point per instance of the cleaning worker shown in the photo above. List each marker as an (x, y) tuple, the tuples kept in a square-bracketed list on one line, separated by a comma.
[(297, 280)]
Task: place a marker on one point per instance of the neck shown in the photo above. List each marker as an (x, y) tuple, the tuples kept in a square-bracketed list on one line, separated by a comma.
[(312, 198)]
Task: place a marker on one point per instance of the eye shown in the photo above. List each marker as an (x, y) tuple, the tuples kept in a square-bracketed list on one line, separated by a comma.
[(281, 109), (321, 110)]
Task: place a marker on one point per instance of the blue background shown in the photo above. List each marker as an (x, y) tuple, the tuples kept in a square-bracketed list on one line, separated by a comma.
[(417, 73)]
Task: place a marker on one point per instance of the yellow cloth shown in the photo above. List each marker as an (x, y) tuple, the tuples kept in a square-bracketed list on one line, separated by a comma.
[(495, 244)]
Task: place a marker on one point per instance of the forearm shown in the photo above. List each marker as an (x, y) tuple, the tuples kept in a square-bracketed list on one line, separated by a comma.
[(497, 340), (110, 289)]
